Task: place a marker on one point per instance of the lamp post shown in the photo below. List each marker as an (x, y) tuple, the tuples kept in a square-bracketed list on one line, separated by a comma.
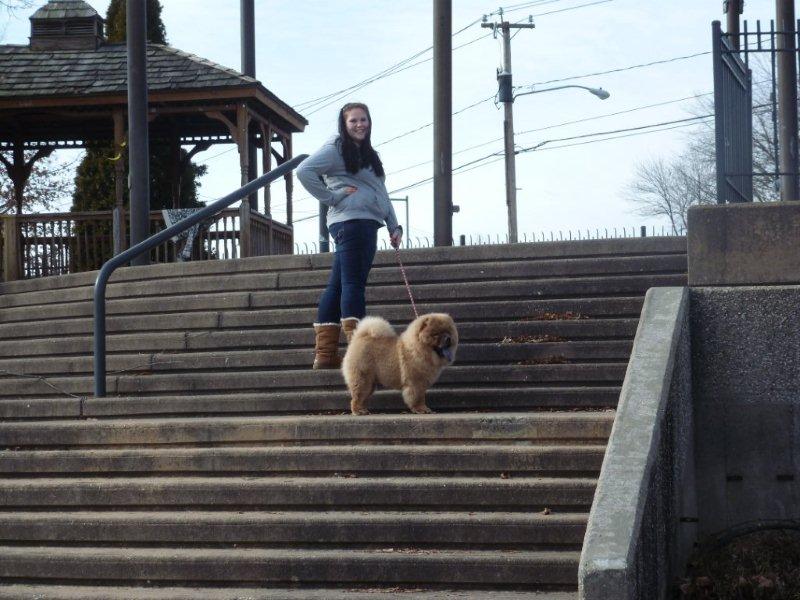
[(507, 97)]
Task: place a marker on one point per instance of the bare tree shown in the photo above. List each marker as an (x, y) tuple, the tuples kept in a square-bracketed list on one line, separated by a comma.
[(667, 187), (10, 5), (50, 184)]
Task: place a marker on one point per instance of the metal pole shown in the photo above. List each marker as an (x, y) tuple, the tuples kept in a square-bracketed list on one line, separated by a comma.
[(508, 137), (248, 27), (787, 98), (442, 123), (719, 123), (408, 226), (139, 148), (733, 8)]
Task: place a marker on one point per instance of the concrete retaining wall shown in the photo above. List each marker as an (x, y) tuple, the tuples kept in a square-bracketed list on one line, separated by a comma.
[(642, 522), (746, 363), (748, 243)]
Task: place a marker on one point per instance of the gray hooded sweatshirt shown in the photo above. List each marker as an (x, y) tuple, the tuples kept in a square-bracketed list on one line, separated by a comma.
[(324, 175)]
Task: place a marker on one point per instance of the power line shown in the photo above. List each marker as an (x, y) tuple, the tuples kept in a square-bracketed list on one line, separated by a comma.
[(499, 155), (391, 70), (531, 86), (315, 105), (426, 125), (629, 68), (552, 12), (562, 124)]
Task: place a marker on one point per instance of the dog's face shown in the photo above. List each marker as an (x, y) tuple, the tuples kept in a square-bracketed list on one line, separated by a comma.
[(438, 332)]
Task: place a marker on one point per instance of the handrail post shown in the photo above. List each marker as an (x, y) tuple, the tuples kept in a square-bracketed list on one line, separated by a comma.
[(100, 334), (154, 240), (11, 257)]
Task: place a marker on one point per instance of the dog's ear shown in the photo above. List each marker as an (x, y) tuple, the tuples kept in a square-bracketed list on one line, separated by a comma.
[(424, 322)]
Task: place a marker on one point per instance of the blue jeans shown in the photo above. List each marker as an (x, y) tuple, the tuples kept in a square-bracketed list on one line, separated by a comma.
[(356, 242)]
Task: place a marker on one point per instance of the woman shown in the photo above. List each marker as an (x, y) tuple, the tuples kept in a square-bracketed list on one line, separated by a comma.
[(347, 175)]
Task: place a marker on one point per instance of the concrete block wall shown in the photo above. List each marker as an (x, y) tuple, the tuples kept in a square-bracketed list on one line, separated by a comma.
[(746, 388)]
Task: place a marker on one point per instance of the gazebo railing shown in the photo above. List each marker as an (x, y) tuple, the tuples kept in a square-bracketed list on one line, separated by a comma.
[(42, 245), (154, 241)]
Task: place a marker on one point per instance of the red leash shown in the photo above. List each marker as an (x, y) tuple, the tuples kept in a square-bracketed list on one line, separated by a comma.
[(408, 287)]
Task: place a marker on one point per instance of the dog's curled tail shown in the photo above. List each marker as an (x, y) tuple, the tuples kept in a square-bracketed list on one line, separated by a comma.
[(375, 327)]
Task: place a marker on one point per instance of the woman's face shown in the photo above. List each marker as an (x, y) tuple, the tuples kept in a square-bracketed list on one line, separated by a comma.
[(357, 123)]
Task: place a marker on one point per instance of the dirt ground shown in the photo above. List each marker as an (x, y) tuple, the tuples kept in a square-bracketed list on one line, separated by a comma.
[(758, 566)]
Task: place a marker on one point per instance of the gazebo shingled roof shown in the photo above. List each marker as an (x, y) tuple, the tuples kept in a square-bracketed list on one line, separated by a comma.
[(68, 88), (37, 79)]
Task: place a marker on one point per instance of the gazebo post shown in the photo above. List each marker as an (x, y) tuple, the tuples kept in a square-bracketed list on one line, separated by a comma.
[(287, 155), (266, 157), (19, 175), (175, 167), (19, 170), (120, 229), (243, 143), (242, 126), (11, 257)]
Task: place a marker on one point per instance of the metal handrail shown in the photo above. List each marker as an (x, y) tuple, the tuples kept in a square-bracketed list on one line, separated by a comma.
[(154, 240)]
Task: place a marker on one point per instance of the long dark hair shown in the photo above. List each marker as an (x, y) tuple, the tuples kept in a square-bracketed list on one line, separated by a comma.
[(357, 157)]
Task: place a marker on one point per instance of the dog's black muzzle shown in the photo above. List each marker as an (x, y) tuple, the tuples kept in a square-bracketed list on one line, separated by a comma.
[(445, 348)]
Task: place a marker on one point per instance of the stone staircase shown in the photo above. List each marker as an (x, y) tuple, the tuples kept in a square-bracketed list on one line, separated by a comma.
[(222, 467)]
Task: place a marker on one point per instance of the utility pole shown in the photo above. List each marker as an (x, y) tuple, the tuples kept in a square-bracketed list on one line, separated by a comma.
[(787, 99), (442, 123), (139, 145), (733, 8), (506, 96)]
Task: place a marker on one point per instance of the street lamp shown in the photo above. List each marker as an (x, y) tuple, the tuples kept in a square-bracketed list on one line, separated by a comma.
[(599, 92), (507, 97)]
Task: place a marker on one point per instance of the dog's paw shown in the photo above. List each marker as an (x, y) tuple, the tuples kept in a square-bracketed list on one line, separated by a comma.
[(421, 409), (360, 411)]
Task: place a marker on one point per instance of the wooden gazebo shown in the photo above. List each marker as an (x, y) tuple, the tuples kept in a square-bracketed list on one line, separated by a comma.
[(68, 88)]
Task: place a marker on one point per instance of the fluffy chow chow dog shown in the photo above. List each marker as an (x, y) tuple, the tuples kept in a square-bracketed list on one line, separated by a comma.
[(410, 362)]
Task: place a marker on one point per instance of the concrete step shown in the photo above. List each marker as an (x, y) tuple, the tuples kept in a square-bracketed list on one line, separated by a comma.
[(485, 291), (302, 335), (350, 592), (431, 292), (438, 398), (396, 460), (135, 305), (287, 565), (504, 270), (435, 493), (298, 527), (464, 310), (468, 353), (70, 299), (632, 247), (494, 427), (281, 317), (216, 381)]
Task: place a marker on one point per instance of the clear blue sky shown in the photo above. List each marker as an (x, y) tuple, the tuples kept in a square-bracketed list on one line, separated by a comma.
[(308, 49)]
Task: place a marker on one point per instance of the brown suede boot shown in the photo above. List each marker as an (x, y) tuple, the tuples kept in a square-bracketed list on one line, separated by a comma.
[(326, 348), (349, 326)]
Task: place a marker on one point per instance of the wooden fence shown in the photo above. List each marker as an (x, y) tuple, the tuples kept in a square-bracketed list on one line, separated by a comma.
[(41, 245)]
